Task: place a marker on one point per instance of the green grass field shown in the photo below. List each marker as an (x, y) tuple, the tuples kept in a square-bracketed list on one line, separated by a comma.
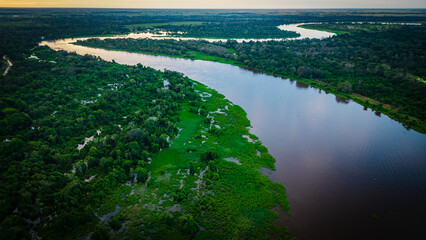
[(222, 196)]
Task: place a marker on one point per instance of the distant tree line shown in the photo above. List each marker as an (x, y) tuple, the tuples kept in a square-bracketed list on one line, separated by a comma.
[(388, 66)]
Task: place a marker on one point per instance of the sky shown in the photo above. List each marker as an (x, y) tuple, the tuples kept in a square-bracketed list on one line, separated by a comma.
[(217, 3)]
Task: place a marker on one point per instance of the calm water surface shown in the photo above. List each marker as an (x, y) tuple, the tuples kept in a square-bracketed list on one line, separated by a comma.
[(340, 163)]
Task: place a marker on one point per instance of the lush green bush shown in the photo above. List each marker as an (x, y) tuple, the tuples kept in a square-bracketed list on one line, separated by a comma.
[(209, 155), (142, 174), (100, 233), (188, 225)]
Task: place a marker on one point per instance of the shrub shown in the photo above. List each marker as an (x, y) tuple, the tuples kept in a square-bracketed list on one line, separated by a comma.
[(209, 155), (188, 225), (100, 233), (142, 174), (115, 223)]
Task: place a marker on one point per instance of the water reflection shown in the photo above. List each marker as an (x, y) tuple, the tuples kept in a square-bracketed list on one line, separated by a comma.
[(162, 35), (342, 100), (327, 153), (301, 85)]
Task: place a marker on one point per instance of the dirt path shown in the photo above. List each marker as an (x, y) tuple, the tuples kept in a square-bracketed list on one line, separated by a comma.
[(8, 62)]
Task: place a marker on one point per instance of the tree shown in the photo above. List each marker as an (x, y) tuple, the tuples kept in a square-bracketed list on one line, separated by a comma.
[(191, 168), (115, 223), (100, 233), (94, 152), (345, 87), (212, 166), (208, 155), (141, 174), (188, 225), (135, 134), (14, 227)]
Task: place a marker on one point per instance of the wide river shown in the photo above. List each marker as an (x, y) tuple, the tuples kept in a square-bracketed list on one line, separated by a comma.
[(341, 164)]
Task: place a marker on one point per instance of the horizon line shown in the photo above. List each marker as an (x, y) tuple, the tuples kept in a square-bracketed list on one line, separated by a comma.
[(131, 8)]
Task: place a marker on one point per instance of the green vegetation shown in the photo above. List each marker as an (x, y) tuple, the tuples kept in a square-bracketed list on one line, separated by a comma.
[(206, 200), (3, 65), (347, 27), (153, 160), (143, 26), (126, 152), (58, 105), (22, 29), (200, 50), (227, 30), (381, 70)]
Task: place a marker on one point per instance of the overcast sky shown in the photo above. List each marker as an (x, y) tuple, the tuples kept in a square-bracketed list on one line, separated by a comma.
[(217, 3)]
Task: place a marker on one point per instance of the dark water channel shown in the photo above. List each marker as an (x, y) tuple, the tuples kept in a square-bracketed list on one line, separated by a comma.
[(341, 164)]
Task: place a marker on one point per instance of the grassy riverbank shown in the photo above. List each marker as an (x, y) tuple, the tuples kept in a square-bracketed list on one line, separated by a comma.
[(94, 149), (193, 55), (164, 156), (377, 106), (211, 173)]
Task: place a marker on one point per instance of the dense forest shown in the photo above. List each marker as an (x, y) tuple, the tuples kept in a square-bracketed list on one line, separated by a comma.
[(87, 147), (60, 101), (22, 29), (247, 29), (94, 149), (101, 150), (354, 27), (384, 65)]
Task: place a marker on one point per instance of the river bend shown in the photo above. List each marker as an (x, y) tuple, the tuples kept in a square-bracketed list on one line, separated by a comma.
[(341, 163)]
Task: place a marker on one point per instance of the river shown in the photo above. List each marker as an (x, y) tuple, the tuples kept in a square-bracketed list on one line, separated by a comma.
[(349, 173)]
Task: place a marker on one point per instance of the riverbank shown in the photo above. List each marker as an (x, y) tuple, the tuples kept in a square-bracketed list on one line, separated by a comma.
[(168, 158), (209, 173), (194, 55), (378, 107)]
